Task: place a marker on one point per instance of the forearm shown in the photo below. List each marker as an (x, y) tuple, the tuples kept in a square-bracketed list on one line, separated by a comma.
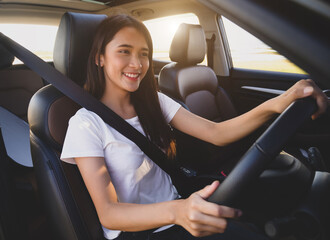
[(234, 129), (199, 217), (138, 217), (225, 132)]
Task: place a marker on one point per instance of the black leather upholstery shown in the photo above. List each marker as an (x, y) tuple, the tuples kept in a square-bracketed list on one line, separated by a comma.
[(68, 205), (17, 84), (6, 58), (73, 42), (194, 86)]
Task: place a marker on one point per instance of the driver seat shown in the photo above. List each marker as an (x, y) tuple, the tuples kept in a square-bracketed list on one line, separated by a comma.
[(67, 203)]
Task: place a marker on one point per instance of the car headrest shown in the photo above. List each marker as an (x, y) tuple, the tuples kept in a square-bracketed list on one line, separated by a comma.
[(73, 42), (178, 82), (6, 58), (49, 113), (188, 44)]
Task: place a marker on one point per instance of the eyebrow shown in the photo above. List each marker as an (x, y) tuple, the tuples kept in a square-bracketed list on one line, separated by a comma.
[(130, 46)]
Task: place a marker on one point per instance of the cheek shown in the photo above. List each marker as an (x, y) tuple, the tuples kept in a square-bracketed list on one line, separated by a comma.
[(116, 66), (145, 66)]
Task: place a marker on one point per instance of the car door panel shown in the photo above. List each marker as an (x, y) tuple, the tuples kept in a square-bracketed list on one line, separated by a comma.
[(249, 88)]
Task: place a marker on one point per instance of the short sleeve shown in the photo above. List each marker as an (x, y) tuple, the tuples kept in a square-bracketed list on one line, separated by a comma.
[(169, 106), (83, 139)]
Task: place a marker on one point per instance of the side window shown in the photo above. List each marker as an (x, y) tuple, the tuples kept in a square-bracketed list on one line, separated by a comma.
[(249, 52), (39, 39), (162, 31)]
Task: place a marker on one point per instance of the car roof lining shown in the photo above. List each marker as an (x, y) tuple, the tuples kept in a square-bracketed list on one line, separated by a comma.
[(88, 6)]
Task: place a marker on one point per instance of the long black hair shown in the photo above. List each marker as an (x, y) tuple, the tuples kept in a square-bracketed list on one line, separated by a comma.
[(145, 99)]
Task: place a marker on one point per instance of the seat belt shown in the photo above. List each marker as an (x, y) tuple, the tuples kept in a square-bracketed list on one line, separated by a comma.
[(86, 100), (210, 50)]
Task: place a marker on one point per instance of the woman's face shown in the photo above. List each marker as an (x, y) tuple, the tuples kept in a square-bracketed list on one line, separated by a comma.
[(125, 60)]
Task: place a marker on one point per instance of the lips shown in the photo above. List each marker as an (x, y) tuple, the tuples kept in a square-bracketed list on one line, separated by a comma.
[(133, 76)]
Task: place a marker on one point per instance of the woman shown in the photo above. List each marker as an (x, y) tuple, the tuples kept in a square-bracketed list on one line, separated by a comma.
[(130, 192)]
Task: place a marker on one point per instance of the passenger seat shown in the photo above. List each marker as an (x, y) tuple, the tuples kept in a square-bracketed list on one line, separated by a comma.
[(194, 86)]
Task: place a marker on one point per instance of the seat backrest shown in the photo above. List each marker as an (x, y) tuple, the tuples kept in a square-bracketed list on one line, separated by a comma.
[(9, 221), (194, 86), (14, 130), (17, 85), (69, 207)]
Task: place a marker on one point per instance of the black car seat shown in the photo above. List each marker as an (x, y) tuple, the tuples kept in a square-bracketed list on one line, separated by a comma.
[(19, 203), (14, 129), (197, 89), (17, 86), (194, 86), (8, 213), (66, 200)]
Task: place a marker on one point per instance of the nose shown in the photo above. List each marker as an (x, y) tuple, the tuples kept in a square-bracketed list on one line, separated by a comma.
[(135, 62)]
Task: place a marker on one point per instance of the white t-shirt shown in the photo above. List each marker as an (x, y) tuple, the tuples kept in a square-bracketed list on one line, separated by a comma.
[(136, 178)]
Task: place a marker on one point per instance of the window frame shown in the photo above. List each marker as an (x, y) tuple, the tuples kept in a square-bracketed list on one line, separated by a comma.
[(228, 52)]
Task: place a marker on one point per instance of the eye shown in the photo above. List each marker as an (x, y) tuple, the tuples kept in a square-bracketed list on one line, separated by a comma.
[(124, 51), (144, 54)]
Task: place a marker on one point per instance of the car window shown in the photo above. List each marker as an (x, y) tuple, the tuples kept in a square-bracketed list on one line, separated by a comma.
[(39, 39), (249, 52), (162, 31)]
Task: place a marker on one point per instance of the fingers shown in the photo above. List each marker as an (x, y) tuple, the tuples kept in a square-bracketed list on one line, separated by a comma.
[(322, 107), (202, 218), (201, 224), (215, 210), (208, 224), (212, 208), (305, 88), (321, 99), (207, 191), (201, 230), (301, 89)]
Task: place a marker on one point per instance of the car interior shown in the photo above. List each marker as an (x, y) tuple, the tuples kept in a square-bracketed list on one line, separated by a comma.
[(21, 206), (46, 198), (49, 112)]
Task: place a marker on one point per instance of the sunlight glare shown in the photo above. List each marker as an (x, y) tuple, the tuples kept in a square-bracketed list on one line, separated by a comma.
[(39, 39), (162, 31)]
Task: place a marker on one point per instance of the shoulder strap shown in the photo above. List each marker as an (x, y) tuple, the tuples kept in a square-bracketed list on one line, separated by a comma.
[(84, 99)]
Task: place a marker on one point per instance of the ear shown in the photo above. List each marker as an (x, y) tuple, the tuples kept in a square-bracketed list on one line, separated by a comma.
[(99, 60)]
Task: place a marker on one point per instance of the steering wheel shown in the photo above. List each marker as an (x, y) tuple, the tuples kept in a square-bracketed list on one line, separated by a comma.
[(263, 151)]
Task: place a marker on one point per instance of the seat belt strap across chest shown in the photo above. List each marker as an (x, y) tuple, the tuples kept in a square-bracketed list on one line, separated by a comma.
[(84, 99)]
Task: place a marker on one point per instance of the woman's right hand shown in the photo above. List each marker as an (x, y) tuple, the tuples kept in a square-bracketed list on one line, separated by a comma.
[(202, 218)]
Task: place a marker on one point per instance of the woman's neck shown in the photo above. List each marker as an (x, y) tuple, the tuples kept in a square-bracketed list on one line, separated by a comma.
[(120, 103)]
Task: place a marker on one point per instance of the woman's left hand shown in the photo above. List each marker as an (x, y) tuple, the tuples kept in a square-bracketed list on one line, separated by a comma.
[(301, 89)]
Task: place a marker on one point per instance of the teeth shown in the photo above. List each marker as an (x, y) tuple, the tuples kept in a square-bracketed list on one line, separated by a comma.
[(132, 75)]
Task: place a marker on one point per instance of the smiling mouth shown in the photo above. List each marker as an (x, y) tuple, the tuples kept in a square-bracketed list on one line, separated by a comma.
[(132, 75)]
